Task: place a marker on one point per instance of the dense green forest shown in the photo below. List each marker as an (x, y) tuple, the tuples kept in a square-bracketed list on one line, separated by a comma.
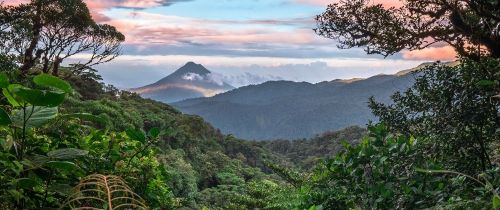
[(70, 142)]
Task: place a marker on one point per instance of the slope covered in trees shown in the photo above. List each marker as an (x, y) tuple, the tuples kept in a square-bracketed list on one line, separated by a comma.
[(74, 143), (294, 110)]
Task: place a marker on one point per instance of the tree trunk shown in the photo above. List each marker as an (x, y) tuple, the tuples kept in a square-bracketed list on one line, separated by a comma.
[(55, 70), (45, 65), (28, 57)]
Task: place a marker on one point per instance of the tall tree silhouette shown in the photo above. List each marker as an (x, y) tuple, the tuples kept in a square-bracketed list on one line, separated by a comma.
[(45, 32), (470, 26)]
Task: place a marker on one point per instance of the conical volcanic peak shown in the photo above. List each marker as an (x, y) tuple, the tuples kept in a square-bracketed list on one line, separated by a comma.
[(191, 67), (190, 81)]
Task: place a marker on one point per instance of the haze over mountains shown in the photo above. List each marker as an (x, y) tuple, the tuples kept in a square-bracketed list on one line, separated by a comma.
[(294, 110), (275, 109), (190, 81)]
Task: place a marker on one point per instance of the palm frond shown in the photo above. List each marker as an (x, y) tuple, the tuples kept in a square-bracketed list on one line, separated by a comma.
[(103, 192)]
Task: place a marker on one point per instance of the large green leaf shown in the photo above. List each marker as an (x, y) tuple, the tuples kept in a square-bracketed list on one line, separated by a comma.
[(4, 118), (26, 183), (37, 97), (39, 160), (65, 166), (47, 80), (6, 92), (496, 202), (4, 80), (136, 135), (67, 153), (154, 132), (34, 116)]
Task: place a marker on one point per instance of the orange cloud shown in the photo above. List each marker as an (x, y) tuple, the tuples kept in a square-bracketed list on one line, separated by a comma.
[(446, 53), (15, 2), (96, 7), (204, 91)]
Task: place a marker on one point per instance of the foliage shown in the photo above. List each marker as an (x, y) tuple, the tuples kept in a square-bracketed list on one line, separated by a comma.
[(55, 134), (414, 25), (98, 191), (45, 32), (44, 152), (382, 173), (306, 153), (201, 166), (454, 107)]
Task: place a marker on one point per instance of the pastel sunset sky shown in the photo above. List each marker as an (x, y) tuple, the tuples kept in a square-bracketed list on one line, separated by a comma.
[(243, 41)]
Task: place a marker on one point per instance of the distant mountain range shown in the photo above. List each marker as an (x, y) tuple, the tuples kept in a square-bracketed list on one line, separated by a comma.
[(294, 110), (190, 81)]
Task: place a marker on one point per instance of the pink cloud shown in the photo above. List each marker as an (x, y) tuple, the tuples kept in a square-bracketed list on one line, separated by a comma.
[(445, 53), (97, 7), (146, 28), (100, 4), (15, 2), (138, 34)]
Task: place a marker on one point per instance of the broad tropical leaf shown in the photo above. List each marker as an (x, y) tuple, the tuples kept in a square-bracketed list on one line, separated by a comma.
[(46, 80), (136, 135), (496, 202), (35, 116), (154, 132), (26, 183), (4, 80), (37, 97), (4, 118), (65, 166), (6, 92), (67, 153)]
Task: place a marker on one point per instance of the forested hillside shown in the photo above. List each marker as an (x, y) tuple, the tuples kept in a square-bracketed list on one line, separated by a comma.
[(295, 110), (306, 153), (199, 161), (68, 141)]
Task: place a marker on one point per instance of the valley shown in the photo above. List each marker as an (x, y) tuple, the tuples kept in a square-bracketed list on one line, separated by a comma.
[(277, 109)]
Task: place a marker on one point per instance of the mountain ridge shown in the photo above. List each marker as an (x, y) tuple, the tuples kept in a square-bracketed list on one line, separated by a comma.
[(189, 81), (295, 110)]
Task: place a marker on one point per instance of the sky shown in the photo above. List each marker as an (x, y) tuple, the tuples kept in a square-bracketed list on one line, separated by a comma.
[(243, 41)]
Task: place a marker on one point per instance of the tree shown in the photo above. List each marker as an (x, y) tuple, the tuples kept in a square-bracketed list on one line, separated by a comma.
[(471, 27), (455, 108), (46, 32)]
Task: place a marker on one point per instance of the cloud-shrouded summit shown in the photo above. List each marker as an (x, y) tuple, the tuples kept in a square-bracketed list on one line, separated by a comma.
[(190, 81)]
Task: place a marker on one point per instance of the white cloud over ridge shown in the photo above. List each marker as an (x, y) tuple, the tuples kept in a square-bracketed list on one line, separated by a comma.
[(192, 77)]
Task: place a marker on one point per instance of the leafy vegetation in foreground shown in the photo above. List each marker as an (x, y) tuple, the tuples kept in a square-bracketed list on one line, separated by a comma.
[(65, 143), (180, 161)]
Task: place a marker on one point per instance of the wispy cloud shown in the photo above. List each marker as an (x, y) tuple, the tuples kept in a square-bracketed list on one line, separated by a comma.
[(142, 27), (98, 7)]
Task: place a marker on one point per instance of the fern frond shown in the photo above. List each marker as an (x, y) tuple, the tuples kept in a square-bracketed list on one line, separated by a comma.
[(96, 192)]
